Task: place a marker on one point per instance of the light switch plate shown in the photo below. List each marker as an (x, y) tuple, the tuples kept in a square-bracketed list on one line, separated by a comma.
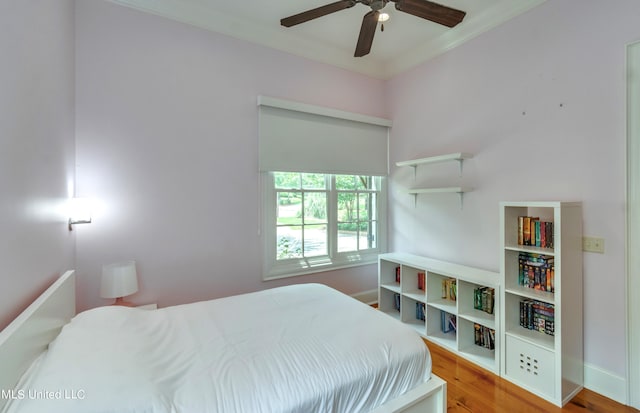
[(593, 244)]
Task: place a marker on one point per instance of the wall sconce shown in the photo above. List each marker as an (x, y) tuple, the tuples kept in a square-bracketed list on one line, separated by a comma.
[(79, 211)]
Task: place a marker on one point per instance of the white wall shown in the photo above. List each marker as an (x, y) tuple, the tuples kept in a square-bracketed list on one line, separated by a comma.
[(167, 142), (540, 101), (36, 148)]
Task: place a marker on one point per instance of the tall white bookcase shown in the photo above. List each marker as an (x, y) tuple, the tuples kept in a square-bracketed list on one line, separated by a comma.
[(400, 298), (550, 366)]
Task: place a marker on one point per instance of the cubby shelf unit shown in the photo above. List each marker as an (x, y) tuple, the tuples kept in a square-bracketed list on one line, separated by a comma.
[(550, 366), (407, 293)]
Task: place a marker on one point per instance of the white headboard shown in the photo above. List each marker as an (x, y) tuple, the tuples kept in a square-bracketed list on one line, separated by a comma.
[(31, 332)]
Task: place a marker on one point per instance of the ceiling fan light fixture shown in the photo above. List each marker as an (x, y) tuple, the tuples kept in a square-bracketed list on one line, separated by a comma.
[(383, 17)]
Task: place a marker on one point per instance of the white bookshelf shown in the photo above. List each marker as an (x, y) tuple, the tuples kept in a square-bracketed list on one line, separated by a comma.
[(550, 366), (461, 340)]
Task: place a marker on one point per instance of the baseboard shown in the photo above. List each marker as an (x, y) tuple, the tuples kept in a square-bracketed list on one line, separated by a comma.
[(605, 383), (367, 297)]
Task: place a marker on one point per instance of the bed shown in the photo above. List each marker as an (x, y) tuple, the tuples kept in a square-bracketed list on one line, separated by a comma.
[(301, 348)]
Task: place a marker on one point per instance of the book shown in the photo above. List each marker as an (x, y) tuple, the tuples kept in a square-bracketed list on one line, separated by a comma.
[(449, 289), (421, 276), (520, 229), (526, 230), (534, 232), (448, 322), (537, 316), (536, 271), (484, 336), (420, 311), (484, 299), (549, 234)]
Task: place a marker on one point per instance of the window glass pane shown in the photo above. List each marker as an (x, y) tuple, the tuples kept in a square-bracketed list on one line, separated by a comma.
[(368, 238), (287, 180), (365, 206), (313, 181), (289, 243), (315, 240), (345, 182), (289, 208), (364, 182), (315, 207), (347, 207), (347, 237)]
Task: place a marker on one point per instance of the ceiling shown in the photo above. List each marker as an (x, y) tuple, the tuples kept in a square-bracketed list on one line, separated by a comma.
[(406, 41)]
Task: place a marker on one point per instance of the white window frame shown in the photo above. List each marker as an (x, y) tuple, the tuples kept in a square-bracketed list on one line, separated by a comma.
[(275, 269)]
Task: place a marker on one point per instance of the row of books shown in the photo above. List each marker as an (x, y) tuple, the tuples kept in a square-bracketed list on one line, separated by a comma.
[(398, 274), (396, 301), (532, 231), (448, 322), (484, 299), (421, 277), (484, 336), (536, 271), (536, 315), (449, 289), (420, 311)]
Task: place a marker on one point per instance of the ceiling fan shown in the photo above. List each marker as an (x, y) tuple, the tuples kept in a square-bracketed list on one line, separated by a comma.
[(421, 8)]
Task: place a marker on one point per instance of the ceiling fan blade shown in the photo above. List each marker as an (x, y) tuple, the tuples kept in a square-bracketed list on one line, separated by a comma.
[(305, 16), (367, 30), (431, 11)]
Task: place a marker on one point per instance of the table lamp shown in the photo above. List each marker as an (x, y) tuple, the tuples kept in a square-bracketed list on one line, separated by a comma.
[(118, 281)]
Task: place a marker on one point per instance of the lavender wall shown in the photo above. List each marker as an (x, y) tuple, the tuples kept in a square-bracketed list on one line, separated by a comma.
[(540, 101), (36, 148), (167, 143)]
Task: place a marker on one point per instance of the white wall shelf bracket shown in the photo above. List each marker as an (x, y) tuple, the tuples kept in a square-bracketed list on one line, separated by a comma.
[(460, 161)]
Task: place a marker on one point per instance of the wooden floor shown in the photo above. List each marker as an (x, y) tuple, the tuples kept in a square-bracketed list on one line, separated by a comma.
[(472, 389)]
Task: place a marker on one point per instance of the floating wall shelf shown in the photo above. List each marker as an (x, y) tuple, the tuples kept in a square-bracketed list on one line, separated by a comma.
[(458, 156), (454, 189)]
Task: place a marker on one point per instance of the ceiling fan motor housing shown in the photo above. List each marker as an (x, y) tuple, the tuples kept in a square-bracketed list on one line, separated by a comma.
[(378, 4)]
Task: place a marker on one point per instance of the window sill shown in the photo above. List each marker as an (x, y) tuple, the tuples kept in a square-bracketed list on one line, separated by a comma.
[(294, 268)]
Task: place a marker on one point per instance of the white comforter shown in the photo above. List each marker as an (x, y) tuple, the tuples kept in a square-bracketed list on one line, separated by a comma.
[(304, 348)]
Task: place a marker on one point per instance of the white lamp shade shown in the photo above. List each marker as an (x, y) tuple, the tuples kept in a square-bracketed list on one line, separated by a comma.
[(119, 280)]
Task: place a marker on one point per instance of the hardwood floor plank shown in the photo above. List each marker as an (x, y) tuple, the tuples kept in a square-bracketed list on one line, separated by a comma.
[(471, 389)]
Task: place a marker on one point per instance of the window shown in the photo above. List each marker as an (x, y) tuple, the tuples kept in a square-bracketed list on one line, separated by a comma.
[(317, 222), (324, 193)]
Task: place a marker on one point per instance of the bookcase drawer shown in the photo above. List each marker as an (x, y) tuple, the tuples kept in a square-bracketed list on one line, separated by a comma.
[(530, 365)]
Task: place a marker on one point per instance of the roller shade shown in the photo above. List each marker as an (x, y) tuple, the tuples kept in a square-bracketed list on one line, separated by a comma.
[(296, 137)]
